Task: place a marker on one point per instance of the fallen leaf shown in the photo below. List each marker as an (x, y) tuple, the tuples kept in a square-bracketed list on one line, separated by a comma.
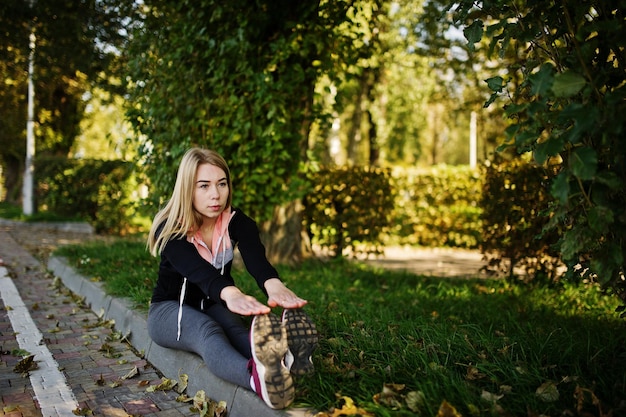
[(132, 373), (220, 410), (473, 373), (447, 410), (415, 400), (101, 382), (165, 385), (348, 408), (206, 407), (183, 398), (20, 352), (25, 365), (491, 397), (109, 351), (581, 397), (473, 410), (182, 384), (548, 392), (390, 396), (199, 399), (9, 408)]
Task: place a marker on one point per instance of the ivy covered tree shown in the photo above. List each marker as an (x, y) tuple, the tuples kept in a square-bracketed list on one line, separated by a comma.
[(237, 77), (565, 101)]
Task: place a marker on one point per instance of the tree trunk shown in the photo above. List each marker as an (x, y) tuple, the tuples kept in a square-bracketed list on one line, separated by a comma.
[(434, 129), (372, 133), (284, 238), (374, 154), (354, 133), (11, 175)]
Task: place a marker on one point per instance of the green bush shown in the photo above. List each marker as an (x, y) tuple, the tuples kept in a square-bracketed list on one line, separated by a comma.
[(516, 204), (437, 207), (349, 209), (100, 192)]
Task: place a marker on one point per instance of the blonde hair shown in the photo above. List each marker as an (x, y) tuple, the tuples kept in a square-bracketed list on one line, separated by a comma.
[(178, 217)]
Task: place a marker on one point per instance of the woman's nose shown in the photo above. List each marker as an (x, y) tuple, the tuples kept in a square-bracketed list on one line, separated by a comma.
[(213, 192)]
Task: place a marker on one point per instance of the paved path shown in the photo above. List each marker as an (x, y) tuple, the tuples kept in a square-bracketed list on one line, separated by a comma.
[(438, 262), (80, 360)]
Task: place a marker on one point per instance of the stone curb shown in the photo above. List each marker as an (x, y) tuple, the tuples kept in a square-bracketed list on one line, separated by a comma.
[(171, 363)]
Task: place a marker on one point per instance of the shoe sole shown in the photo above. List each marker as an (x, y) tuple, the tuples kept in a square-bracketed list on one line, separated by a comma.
[(302, 339), (269, 348)]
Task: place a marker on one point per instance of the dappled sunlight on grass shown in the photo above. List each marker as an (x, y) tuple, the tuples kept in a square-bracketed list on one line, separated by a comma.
[(480, 345)]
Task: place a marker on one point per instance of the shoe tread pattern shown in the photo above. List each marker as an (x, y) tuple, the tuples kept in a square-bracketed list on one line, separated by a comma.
[(270, 347), (302, 339)]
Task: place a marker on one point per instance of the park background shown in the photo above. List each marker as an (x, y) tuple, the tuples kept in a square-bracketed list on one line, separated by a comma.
[(349, 126)]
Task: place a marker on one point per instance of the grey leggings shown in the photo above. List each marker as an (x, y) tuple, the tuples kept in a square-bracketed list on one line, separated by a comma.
[(217, 335)]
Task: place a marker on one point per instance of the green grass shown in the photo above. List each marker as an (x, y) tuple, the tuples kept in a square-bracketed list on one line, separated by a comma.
[(466, 342)]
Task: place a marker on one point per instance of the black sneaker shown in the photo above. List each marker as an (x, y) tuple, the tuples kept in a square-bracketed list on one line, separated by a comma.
[(272, 380), (302, 339)]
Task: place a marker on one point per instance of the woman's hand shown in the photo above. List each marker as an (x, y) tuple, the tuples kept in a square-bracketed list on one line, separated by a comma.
[(280, 295), (241, 303)]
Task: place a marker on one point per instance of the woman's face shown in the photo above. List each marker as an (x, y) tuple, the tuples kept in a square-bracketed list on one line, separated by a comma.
[(210, 192)]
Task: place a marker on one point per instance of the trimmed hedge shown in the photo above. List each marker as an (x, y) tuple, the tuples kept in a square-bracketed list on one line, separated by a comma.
[(501, 209), (359, 210), (516, 204), (438, 207), (100, 192), (349, 209)]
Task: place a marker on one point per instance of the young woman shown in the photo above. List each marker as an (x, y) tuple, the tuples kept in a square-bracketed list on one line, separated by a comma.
[(196, 305)]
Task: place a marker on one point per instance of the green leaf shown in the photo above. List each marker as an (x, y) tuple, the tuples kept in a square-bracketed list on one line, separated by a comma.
[(495, 83), (504, 146), (600, 218), (542, 80), (610, 179), (584, 118), (567, 84), (550, 147), (573, 243), (560, 187), (584, 162), (525, 138), (514, 109), (492, 98), (473, 33)]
